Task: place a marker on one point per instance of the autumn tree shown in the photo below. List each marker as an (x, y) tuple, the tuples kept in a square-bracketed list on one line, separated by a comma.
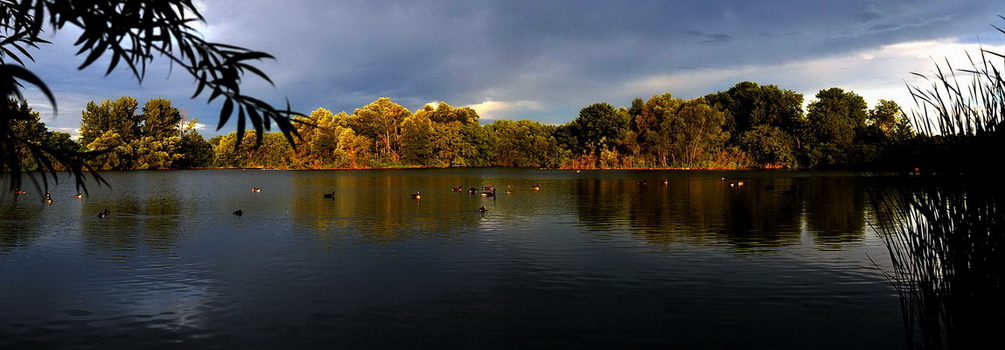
[(695, 133), (380, 121), (652, 127)]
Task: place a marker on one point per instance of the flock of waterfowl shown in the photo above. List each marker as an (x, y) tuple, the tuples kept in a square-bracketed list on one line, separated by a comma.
[(48, 200), (487, 191)]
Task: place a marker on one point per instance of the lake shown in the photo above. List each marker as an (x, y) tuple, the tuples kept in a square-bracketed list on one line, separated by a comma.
[(592, 259)]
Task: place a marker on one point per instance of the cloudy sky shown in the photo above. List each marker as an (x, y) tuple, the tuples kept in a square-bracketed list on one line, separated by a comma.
[(544, 60)]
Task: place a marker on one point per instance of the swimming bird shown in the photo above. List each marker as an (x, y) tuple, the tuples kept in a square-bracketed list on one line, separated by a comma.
[(256, 189), (329, 195), (78, 195), (416, 195), (238, 212), (18, 191), (472, 190), (535, 187), (48, 201), (47, 195), (489, 194), (457, 189), (482, 210), (102, 214), (489, 188)]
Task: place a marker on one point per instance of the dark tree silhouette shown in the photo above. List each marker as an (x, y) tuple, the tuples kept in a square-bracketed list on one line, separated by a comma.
[(132, 33)]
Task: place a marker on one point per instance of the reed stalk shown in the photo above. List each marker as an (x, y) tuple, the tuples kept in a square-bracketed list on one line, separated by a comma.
[(940, 220)]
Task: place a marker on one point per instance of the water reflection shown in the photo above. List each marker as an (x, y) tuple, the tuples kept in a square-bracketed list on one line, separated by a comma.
[(376, 208), (765, 211), (154, 210), (145, 211), (587, 258)]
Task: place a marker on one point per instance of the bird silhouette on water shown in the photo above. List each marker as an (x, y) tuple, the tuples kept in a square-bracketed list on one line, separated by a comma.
[(329, 195), (238, 212), (103, 214)]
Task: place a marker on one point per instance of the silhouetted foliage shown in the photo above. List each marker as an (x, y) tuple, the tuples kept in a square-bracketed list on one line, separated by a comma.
[(941, 218), (131, 34)]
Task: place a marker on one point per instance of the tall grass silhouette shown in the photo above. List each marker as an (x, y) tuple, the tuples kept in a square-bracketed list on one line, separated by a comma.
[(941, 219)]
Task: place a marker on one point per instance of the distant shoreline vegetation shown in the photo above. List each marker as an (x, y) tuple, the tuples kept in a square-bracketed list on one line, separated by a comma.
[(749, 126)]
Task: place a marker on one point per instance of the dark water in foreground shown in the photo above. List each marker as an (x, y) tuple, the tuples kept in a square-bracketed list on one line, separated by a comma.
[(592, 259)]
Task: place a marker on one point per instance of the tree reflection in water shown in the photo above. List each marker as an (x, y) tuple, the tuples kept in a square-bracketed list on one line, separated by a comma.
[(767, 211)]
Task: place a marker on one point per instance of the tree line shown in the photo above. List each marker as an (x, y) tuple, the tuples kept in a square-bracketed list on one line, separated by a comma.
[(749, 125)]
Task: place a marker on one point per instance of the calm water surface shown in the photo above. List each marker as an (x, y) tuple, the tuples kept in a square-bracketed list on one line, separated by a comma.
[(592, 259)]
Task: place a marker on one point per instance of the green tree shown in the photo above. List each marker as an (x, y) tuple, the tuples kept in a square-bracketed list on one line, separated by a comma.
[(118, 116), (769, 146), (477, 146), (195, 151), (834, 120), (652, 128), (131, 34), (754, 111), (147, 141), (525, 143), (319, 140), (160, 119), (272, 153), (454, 131), (444, 113), (156, 153), (748, 105), (417, 140), (116, 152), (889, 119), (598, 127)]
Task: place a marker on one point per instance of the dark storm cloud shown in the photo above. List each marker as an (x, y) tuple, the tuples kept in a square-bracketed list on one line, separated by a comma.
[(553, 56), (711, 38)]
